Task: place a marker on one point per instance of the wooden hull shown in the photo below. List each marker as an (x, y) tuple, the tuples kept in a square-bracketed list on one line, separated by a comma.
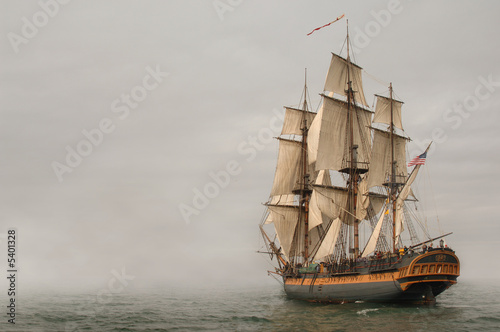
[(412, 279)]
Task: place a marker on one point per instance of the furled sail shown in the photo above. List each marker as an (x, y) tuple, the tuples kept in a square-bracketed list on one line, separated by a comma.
[(337, 78), (327, 135), (383, 111), (380, 164), (294, 121)]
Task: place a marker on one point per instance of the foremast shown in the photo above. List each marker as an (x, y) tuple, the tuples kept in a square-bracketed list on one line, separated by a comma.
[(304, 190), (288, 206)]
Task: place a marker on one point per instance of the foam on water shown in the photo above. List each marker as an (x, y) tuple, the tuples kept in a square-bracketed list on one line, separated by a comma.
[(365, 311)]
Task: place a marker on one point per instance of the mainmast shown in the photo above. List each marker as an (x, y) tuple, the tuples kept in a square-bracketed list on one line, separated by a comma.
[(353, 172), (304, 190), (393, 173)]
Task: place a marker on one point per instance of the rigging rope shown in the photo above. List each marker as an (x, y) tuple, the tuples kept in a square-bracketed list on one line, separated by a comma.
[(376, 79), (435, 205)]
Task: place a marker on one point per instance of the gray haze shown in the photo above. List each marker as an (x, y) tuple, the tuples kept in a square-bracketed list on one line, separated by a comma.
[(230, 65)]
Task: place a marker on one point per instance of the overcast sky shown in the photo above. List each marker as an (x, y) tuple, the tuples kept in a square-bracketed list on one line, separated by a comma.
[(115, 113)]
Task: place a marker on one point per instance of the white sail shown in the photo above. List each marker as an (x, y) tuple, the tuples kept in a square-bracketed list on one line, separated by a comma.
[(380, 164), (294, 121), (287, 170), (372, 242), (403, 195), (330, 200), (377, 201), (285, 219), (363, 199), (337, 78), (327, 245), (315, 215), (400, 224), (313, 137), (283, 200), (339, 134), (327, 144), (280, 200), (383, 111)]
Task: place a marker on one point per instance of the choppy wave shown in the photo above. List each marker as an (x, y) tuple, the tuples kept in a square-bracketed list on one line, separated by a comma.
[(365, 311)]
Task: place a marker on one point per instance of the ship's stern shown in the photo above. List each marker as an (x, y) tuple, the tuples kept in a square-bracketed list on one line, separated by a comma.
[(428, 275)]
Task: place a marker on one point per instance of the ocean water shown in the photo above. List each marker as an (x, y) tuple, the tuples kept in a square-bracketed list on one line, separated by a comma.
[(468, 306)]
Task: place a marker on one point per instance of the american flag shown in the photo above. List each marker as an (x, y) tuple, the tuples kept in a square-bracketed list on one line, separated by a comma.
[(420, 160)]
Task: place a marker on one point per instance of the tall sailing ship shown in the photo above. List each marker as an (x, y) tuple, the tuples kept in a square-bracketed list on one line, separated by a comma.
[(343, 171)]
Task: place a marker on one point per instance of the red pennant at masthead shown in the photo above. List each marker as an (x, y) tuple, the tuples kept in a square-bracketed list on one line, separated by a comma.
[(321, 27)]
